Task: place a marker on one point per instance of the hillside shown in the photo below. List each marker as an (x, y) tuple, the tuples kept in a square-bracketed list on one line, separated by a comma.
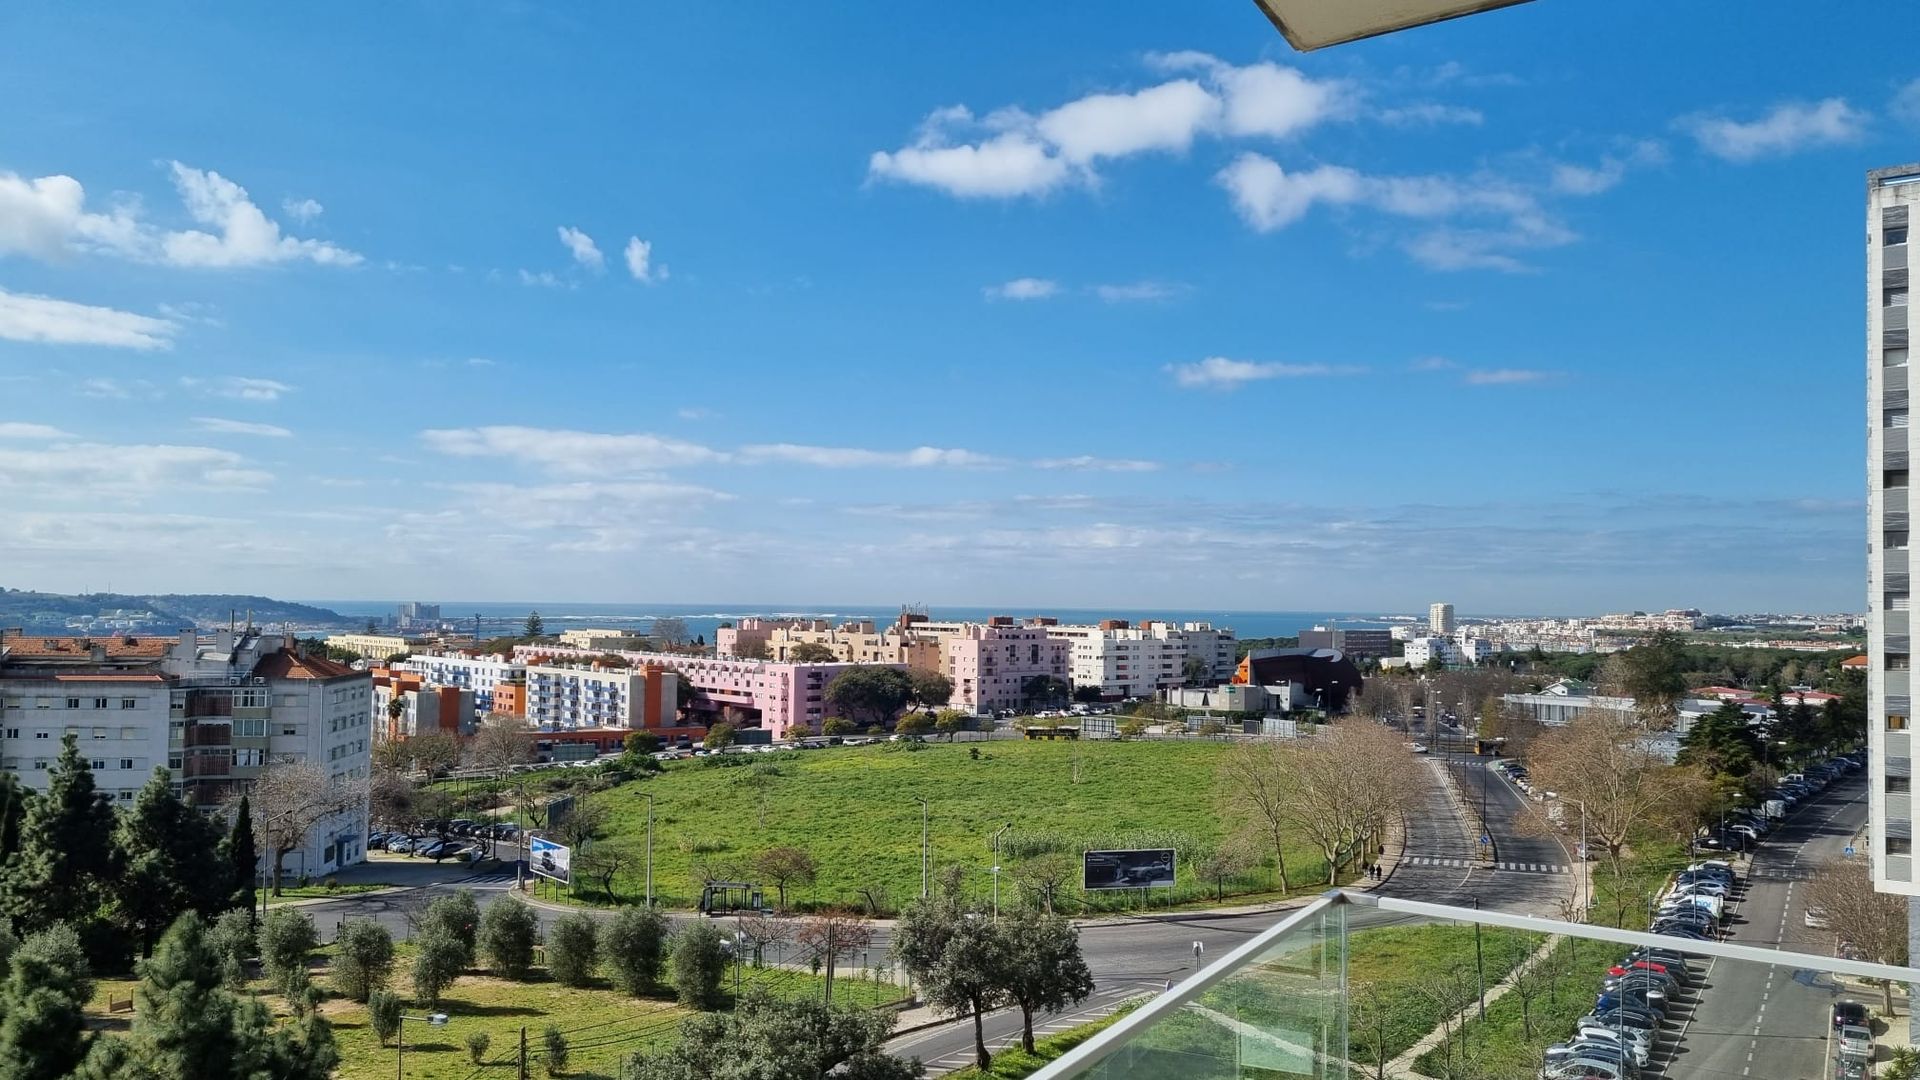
[(54, 612)]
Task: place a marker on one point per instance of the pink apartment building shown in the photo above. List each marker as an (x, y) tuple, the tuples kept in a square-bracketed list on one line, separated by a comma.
[(786, 699), (990, 663)]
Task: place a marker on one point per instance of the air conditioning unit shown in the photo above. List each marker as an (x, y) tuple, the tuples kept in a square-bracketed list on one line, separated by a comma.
[(236, 680), (259, 680)]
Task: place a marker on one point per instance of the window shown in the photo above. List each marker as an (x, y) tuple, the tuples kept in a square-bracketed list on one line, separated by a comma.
[(43, 734), (1896, 540), (13, 733), (99, 703), (1893, 357), (98, 764), (1896, 418), (1894, 297), (1899, 661), (126, 763), (126, 795), (100, 732), (129, 703), (1899, 783), (173, 762), (40, 764), (1894, 478), (1896, 722), (1897, 601), (128, 734), (1899, 845), (73, 703), (1893, 234)]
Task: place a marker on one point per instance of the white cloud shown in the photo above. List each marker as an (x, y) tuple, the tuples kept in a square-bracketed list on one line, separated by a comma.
[(1268, 197), (570, 451), (46, 218), (694, 412), (546, 279), (238, 387), (1010, 152), (1220, 373), (480, 361), (302, 210), (239, 427), (243, 235), (1137, 292), (91, 469), (24, 317), (1786, 128), (1089, 463), (1505, 377), (836, 457), (1429, 113), (1571, 179), (582, 247), (1025, 288), (19, 430), (639, 255), (104, 388)]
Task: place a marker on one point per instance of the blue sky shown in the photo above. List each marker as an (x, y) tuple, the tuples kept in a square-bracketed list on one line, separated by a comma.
[(1555, 309)]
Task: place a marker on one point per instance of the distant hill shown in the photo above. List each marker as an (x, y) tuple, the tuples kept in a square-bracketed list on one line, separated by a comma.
[(107, 612)]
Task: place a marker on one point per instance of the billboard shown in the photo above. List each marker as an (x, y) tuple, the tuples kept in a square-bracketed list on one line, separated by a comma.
[(1151, 868), (549, 859)]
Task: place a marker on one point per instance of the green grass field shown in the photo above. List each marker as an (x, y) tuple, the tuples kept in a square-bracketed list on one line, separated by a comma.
[(1016, 1063), (856, 811)]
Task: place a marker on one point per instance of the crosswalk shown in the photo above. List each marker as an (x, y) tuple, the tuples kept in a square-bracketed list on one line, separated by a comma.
[(488, 878), (1466, 864)]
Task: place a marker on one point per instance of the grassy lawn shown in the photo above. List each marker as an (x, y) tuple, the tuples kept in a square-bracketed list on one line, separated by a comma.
[(1392, 973), (856, 811), (1016, 1063), (290, 893), (1503, 1047)]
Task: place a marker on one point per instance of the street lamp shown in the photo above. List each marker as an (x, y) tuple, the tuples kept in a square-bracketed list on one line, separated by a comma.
[(400, 1060), (996, 869), (649, 797), (926, 864)]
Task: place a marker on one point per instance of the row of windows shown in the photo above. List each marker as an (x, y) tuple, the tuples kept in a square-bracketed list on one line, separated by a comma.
[(97, 764), (74, 703), (99, 734)]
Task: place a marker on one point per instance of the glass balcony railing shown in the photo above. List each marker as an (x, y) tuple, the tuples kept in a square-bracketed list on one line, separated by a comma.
[(1356, 986)]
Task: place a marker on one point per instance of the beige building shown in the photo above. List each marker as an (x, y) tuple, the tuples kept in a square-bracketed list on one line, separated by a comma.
[(857, 641), (603, 640), (375, 646)]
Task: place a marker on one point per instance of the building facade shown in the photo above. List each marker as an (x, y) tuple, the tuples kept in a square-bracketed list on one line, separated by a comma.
[(1440, 620), (217, 711), (375, 646), (991, 665), (1892, 195), (479, 674), (1139, 661), (1373, 643), (602, 640)]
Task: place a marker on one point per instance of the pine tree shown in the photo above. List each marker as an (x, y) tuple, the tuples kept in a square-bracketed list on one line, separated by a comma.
[(14, 799), (66, 867), (44, 1034), (536, 627), (243, 855), (172, 865)]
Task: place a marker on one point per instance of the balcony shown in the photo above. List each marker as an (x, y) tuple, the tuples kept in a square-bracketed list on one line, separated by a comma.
[(1325, 994), (209, 735)]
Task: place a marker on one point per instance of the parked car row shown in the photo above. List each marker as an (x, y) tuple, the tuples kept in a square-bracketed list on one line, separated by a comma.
[(1743, 830), (1617, 1039)]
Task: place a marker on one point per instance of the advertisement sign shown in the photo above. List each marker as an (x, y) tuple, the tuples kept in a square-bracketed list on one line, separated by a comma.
[(1147, 869), (550, 860)]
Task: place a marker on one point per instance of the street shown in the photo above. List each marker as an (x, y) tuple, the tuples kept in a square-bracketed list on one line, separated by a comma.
[(1529, 874)]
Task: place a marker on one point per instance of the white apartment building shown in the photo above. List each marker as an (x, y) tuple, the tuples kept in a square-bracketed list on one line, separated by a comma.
[(479, 674), (1440, 620), (564, 696), (1139, 661), (375, 646), (1422, 651), (1472, 649), (215, 710)]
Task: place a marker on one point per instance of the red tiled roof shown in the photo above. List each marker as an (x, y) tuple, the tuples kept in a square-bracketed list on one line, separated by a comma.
[(287, 665), (1855, 661), (21, 647)]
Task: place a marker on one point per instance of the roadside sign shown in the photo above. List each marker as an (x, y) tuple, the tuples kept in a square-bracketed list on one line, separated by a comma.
[(1485, 839), (550, 860), (1849, 850), (1132, 869)]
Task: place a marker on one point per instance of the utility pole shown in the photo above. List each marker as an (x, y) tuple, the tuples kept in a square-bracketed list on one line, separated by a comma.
[(523, 1052), (1480, 972), (926, 862), (649, 852), (996, 868), (829, 922)]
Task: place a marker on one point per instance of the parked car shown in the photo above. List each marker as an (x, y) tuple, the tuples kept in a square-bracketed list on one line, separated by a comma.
[(1849, 1014), (1640, 1043), (400, 845), (1631, 1019), (1856, 1043)]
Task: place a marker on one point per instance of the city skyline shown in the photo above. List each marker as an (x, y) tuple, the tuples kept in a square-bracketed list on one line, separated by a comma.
[(1150, 313)]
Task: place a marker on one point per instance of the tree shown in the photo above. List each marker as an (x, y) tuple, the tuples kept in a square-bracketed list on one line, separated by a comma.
[(585, 821), (811, 652), (1043, 691), (287, 939), (573, 949), (457, 916), (555, 1043), (1195, 671), (785, 866), (876, 692), (1044, 971), (633, 944), (1256, 783), (602, 862), (671, 631), (699, 959), (753, 648), (362, 958), (232, 940), (917, 724), (432, 752), (67, 865), (838, 725), (243, 857), (502, 742), (949, 721), (1721, 742), (1131, 727), (1212, 726), (719, 736), (1043, 878), (43, 1033), (1652, 673), (1347, 787), (14, 799), (292, 798), (960, 963), (1221, 864), (383, 1015), (506, 937), (1089, 694), (1874, 922), (535, 627), (833, 934), (171, 858), (477, 1044), (641, 743), (438, 960), (929, 689), (800, 1039)]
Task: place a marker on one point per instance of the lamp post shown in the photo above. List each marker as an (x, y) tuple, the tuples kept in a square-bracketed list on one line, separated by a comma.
[(996, 868), (649, 799), (400, 1059), (926, 867)]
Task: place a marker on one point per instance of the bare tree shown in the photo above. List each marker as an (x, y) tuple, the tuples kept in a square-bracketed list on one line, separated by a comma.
[(603, 862), (501, 743), (1598, 763), (1256, 782), (785, 866), (1221, 864), (1348, 786), (876, 899), (584, 821), (670, 631), (1044, 877), (432, 752), (291, 799), (763, 933), (833, 934), (1873, 922), (1377, 1022)]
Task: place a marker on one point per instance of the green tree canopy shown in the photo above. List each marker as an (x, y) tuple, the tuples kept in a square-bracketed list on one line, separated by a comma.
[(1721, 742), (879, 693), (633, 945), (67, 866), (929, 689), (1044, 970), (811, 652), (771, 1039), (43, 1035), (508, 930), (699, 961), (243, 857), (961, 963), (172, 861), (535, 627)]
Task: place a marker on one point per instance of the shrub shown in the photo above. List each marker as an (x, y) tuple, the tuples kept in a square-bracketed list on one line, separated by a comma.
[(302, 996), (477, 1043), (362, 958), (507, 933), (286, 938), (572, 942), (633, 945), (440, 960), (458, 917), (699, 963), (231, 939), (383, 1014), (556, 1050)]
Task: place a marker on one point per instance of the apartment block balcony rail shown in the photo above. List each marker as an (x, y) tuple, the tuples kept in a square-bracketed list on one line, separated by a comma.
[(1304, 999)]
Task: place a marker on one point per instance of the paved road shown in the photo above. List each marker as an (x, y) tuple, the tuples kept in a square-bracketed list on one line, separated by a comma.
[(1773, 1021), (1530, 874)]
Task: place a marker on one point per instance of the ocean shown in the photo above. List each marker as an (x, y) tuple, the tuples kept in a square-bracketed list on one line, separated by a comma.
[(703, 619)]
